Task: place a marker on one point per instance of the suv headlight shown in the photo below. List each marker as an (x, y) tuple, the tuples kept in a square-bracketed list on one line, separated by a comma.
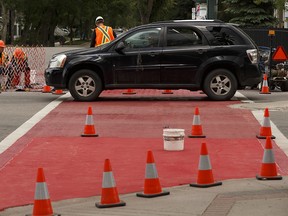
[(57, 61), (252, 55)]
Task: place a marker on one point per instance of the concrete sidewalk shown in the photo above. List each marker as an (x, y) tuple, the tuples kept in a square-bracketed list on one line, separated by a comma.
[(249, 197)]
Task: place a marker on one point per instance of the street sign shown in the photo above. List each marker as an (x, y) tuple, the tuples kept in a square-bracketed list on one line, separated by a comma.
[(280, 54)]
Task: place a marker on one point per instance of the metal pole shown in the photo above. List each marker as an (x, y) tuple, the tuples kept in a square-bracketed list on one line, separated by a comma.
[(271, 33), (270, 60)]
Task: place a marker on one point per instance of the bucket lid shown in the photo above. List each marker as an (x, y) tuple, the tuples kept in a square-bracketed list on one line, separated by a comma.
[(173, 130)]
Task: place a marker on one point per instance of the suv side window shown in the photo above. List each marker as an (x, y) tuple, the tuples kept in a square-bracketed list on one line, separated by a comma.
[(144, 38), (182, 36), (224, 36)]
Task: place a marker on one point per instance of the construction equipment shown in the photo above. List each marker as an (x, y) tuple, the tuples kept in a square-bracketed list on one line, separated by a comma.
[(278, 78)]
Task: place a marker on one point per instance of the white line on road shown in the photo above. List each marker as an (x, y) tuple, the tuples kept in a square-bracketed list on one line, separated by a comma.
[(26, 126), (280, 140)]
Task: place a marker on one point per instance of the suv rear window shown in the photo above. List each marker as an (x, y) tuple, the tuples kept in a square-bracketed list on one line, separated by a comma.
[(224, 36), (182, 36)]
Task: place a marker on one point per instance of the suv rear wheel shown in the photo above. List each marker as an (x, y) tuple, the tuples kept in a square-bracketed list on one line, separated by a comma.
[(220, 84), (85, 85), (284, 86)]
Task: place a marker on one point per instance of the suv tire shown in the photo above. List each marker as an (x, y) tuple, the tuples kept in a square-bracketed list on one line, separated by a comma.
[(284, 86), (85, 85), (220, 84)]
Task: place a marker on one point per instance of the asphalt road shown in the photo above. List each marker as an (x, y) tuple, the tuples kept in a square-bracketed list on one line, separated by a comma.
[(17, 107)]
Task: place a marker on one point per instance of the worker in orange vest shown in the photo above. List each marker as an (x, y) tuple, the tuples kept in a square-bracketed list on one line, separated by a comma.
[(102, 34), (3, 62), (18, 65)]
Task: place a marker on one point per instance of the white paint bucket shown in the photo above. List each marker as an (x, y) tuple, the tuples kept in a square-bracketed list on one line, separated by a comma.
[(173, 139)]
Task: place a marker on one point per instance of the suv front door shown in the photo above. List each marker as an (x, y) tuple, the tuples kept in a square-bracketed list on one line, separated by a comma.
[(139, 62)]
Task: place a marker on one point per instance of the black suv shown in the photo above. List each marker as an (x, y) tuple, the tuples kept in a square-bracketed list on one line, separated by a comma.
[(211, 56)]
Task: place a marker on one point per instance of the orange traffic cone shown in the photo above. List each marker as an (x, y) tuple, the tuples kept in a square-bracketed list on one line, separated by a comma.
[(268, 167), (265, 88), (265, 129), (58, 92), (109, 194), (42, 203), (196, 131), (152, 187), (89, 129), (129, 91), (205, 175), (46, 89), (167, 91)]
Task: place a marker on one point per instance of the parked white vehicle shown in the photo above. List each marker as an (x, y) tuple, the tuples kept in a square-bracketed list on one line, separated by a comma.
[(61, 31)]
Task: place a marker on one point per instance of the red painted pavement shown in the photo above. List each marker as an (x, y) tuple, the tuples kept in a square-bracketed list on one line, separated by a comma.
[(128, 126)]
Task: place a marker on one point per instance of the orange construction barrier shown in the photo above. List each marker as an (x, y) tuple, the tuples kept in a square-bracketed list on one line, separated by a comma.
[(196, 130), (58, 92), (109, 194), (268, 167), (152, 187), (129, 91), (167, 91), (89, 129), (205, 176), (265, 129), (265, 87), (42, 203), (46, 89)]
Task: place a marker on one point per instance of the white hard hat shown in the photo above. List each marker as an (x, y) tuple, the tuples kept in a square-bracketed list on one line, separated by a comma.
[(99, 18)]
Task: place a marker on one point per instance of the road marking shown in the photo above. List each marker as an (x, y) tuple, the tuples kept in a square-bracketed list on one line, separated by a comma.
[(26, 126), (280, 140)]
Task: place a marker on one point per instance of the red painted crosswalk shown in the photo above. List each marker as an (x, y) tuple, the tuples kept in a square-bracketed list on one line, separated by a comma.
[(127, 128)]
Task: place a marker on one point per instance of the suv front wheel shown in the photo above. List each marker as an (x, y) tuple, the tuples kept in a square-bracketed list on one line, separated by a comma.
[(220, 84), (85, 85)]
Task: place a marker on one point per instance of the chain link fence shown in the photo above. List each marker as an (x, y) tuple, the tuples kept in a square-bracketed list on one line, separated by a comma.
[(23, 71)]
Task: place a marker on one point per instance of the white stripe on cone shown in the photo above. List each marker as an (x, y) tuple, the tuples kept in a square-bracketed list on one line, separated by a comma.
[(151, 172), (41, 191), (266, 122), (108, 180), (265, 83), (196, 120), (89, 120), (268, 156), (204, 163)]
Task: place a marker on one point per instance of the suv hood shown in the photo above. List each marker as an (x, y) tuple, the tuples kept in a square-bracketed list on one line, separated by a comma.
[(82, 51)]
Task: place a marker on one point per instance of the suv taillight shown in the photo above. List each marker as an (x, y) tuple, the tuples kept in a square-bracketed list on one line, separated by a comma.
[(252, 55)]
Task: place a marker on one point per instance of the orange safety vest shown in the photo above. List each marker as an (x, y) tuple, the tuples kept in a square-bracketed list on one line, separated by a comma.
[(104, 34), (3, 59)]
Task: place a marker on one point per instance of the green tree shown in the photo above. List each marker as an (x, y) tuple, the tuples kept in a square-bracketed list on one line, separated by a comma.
[(7, 12), (181, 9), (40, 17), (251, 13), (153, 10)]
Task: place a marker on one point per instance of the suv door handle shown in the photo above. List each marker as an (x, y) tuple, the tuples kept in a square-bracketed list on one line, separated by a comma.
[(153, 54), (201, 51)]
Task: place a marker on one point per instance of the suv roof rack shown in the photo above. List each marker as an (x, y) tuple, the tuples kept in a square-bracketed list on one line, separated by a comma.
[(190, 20)]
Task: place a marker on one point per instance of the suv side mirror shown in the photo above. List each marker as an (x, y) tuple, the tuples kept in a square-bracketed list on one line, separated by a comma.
[(119, 47)]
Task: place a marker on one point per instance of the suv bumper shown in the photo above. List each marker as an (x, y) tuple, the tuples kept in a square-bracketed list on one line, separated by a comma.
[(252, 76), (54, 77)]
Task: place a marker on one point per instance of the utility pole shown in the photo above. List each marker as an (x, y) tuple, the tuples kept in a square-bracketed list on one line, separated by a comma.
[(212, 6)]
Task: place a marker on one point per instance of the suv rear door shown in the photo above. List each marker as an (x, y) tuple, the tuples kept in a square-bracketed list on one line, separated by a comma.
[(185, 48)]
